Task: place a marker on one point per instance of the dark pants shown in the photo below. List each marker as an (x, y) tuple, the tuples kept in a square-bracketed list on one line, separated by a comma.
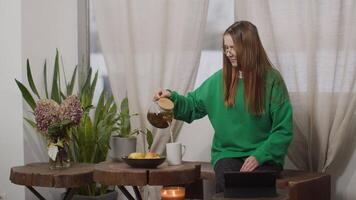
[(235, 164)]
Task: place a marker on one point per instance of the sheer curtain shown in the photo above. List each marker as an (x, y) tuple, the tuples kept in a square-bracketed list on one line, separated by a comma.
[(313, 44), (149, 45)]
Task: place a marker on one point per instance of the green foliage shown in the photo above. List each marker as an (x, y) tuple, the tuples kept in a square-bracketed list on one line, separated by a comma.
[(30, 79), (26, 95), (149, 138), (58, 127), (123, 122), (56, 86)]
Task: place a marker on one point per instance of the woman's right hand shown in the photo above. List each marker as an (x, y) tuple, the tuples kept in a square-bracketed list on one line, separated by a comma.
[(161, 93)]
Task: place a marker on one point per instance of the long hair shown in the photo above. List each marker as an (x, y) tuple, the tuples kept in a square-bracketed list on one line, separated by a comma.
[(252, 61)]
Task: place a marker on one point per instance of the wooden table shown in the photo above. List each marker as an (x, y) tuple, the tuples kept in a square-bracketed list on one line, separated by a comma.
[(282, 195), (120, 174), (39, 174)]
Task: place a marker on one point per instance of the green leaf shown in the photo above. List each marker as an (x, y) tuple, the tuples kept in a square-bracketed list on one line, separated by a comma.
[(87, 109), (30, 79), (149, 138), (108, 104), (64, 73), (56, 128), (55, 93), (92, 87), (87, 138), (125, 106), (45, 78), (75, 147), (84, 99), (125, 124), (99, 107), (113, 108), (32, 123), (72, 81), (59, 82), (26, 95), (86, 86), (62, 95)]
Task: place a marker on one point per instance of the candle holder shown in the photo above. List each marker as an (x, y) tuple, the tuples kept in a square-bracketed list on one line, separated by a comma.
[(173, 193)]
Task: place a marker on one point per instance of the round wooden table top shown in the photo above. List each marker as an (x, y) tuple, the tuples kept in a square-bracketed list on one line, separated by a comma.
[(282, 195), (39, 174), (119, 173)]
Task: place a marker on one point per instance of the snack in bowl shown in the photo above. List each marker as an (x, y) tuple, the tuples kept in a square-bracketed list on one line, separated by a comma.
[(136, 155), (151, 155), (140, 155)]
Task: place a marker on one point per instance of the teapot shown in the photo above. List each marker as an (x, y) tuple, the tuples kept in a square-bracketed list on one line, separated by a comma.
[(160, 113)]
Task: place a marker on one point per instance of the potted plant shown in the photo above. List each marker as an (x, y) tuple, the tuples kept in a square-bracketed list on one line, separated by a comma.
[(89, 140), (124, 140)]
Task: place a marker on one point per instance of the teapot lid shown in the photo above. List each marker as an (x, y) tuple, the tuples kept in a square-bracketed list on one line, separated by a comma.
[(165, 103)]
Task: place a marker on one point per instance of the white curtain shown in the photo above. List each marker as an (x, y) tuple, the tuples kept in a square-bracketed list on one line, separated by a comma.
[(313, 44), (148, 45)]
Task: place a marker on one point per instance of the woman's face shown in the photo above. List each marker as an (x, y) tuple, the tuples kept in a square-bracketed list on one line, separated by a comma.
[(229, 50)]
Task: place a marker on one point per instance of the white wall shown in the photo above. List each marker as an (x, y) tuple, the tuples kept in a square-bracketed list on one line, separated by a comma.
[(11, 136)]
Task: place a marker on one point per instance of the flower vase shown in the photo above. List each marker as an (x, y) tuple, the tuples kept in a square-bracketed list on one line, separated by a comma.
[(62, 159)]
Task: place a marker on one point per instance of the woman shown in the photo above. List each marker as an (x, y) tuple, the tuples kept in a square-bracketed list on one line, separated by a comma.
[(248, 106)]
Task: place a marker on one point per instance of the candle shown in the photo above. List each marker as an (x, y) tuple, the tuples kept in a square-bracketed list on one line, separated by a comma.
[(173, 193)]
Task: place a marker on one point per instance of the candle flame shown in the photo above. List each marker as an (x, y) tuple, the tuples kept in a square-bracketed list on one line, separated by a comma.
[(172, 193)]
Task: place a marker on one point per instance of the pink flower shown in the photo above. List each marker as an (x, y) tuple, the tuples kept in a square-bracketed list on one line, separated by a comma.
[(46, 113), (71, 109)]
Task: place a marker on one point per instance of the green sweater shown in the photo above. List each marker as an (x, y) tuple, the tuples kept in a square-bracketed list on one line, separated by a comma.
[(237, 132)]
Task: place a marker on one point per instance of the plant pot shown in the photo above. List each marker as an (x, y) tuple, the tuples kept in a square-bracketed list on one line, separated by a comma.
[(121, 147), (108, 196)]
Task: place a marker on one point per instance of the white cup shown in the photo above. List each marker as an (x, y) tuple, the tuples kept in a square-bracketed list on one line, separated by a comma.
[(175, 152)]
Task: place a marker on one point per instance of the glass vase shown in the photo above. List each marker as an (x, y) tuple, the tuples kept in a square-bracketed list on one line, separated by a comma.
[(62, 159)]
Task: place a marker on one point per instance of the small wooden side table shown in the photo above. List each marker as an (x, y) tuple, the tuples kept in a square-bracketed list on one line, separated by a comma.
[(39, 174), (282, 195), (120, 174)]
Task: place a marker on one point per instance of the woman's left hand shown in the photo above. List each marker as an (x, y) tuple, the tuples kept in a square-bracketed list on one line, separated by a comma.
[(250, 164)]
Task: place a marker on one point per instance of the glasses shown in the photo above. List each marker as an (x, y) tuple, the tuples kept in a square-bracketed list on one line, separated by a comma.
[(227, 50)]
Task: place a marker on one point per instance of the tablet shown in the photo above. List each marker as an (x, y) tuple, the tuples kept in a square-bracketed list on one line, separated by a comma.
[(250, 184)]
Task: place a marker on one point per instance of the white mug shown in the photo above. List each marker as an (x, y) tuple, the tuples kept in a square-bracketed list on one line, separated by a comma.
[(175, 152)]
